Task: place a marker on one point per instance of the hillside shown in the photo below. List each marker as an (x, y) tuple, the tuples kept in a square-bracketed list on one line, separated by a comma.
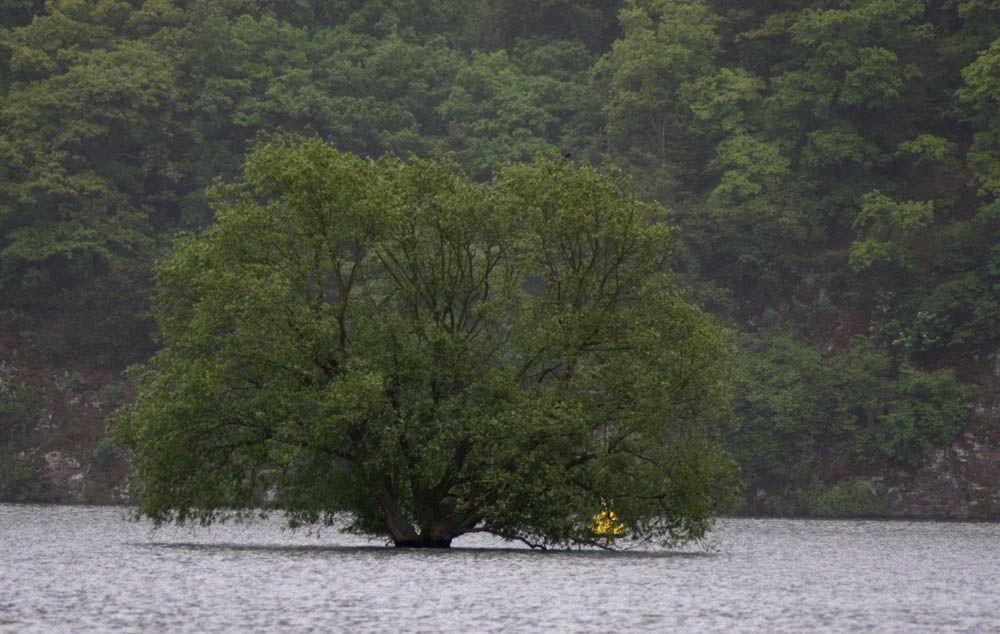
[(832, 168)]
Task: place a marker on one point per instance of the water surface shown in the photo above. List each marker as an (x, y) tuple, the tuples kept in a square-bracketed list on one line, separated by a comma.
[(85, 569)]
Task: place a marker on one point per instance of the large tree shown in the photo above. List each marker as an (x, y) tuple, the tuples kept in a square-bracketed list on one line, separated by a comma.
[(431, 357)]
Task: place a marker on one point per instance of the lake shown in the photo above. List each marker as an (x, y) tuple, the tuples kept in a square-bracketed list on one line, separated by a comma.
[(85, 569)]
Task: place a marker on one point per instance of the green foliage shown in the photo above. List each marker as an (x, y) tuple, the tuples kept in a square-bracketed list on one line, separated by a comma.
[(806, 417), (748, 166), (782, 411), (960, 313), (650, 80), (74, 382), (19, 480), (431, 355), (847, 498), (88, 137), (15, 408), (885, 226), (106, 454), (112, 395), (497, 112), (499, 23), (982, 92), (927, 413), (118, 115)]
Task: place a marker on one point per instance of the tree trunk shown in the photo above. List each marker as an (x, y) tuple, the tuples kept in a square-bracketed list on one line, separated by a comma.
[(423, 541), (434, 534)]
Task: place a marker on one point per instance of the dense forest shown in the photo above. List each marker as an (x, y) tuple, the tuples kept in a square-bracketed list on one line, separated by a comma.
[(832, 166)]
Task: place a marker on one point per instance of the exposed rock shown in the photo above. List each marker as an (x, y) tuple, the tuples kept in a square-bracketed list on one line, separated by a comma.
[(59, 462), (64, 421), (961, 481)]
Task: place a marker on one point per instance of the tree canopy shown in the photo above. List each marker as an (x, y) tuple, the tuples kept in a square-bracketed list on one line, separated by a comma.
[(431, 357)]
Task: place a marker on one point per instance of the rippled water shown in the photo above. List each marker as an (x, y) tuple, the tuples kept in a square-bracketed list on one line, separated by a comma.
[(84, 569)]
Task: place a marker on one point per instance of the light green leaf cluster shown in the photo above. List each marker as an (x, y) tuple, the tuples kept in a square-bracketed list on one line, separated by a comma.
[(982, 90), (886, 225), (748, 165)]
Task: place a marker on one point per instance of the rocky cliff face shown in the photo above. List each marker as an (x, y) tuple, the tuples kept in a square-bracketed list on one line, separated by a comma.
[(961, 481), (53, 429)]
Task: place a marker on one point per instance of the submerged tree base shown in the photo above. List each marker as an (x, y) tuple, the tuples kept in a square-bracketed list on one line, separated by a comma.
[(423, 543)]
